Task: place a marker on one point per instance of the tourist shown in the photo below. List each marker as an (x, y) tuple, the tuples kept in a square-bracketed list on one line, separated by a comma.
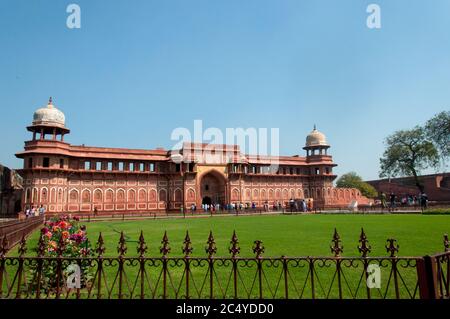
[(423, 201), (304, 208), (41, 210), (27, 213), (392, 201), (33, 211), (383, 200)]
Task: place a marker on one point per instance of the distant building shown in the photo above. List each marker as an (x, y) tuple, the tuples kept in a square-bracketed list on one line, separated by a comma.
[(437, 186), (10, 192), (68, 178)]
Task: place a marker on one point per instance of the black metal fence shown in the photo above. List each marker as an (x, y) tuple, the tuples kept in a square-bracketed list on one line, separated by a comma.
[(143, 277)]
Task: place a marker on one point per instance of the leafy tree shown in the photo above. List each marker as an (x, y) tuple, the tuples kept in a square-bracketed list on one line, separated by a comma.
[(353, 180), (438, 131), (407, 152)]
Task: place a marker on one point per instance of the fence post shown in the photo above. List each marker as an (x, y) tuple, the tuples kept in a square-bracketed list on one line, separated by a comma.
[(427, 277)]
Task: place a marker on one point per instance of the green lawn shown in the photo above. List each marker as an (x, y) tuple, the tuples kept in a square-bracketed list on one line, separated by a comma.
[(297, 235)]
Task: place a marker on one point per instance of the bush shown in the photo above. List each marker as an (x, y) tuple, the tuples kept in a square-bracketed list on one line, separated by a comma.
[(61, 236)]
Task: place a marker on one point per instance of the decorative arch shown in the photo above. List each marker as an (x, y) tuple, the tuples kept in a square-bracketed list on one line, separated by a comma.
[(35, 197), (73, 195), (120, 195), (109, 195), (263, 194), (142, 195), (306, 192), (285, 194), (60, 196), (271, 194), (53, 195), (98, 195), (248, 194), (178, 195), (277, 194), (162, 195), (44, 195), (152, 195), (131, 196), (190, 194), (86, 196), (235, 194)]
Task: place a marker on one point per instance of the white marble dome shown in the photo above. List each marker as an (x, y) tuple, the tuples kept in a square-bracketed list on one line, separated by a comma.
[(49, 115), (316, 138)]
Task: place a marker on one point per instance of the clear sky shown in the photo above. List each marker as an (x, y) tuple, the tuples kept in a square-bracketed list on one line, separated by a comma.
[(138, 69)]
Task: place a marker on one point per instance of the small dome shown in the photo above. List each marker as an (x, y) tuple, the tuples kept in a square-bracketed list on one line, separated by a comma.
[(49, 115), (316, 138)]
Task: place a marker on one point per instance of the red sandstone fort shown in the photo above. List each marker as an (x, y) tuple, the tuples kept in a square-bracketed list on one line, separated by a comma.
[(68, 178)]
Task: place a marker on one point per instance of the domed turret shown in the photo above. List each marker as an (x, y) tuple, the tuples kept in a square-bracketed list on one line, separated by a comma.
[(49, 115), (48, 121), (316, 138), (316, 143)]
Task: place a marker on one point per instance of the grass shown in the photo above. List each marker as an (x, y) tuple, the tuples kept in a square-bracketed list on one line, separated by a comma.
[(297, 235), (290, 235)]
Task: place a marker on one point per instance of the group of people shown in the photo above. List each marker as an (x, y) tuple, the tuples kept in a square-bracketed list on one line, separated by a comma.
[(293, 205), (34, 211), (406, 200)]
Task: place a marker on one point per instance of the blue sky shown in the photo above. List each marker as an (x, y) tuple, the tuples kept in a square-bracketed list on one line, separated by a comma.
[(138, 69)]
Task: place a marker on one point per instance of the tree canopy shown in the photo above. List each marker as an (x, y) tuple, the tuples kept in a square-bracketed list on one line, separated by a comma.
[(438, 131), (407, 153), (353, 180)]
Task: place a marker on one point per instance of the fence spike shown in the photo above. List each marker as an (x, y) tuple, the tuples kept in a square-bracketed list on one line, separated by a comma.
[(165, 248), (3, 246), (446, 243), (100, 247), (211, 249), (258, 248), (122, 248), (187, 248), (142, 247), (22, 246), (336, 247), (392, 247), (364, 248), (234, 245)]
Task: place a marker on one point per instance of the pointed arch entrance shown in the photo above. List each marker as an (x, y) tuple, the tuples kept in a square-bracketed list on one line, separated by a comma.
[(212, 188)]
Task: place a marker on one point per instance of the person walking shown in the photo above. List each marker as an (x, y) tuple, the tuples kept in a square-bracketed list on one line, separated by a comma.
[(423, 201)]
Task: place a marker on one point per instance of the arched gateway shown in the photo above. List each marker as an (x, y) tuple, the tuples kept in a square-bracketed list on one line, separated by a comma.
[(212, 188)]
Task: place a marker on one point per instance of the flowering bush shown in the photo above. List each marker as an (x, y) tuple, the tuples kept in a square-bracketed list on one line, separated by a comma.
[(66, 232), (62, 237)]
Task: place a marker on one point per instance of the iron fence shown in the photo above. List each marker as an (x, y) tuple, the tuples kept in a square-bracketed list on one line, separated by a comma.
[(233, 276)]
